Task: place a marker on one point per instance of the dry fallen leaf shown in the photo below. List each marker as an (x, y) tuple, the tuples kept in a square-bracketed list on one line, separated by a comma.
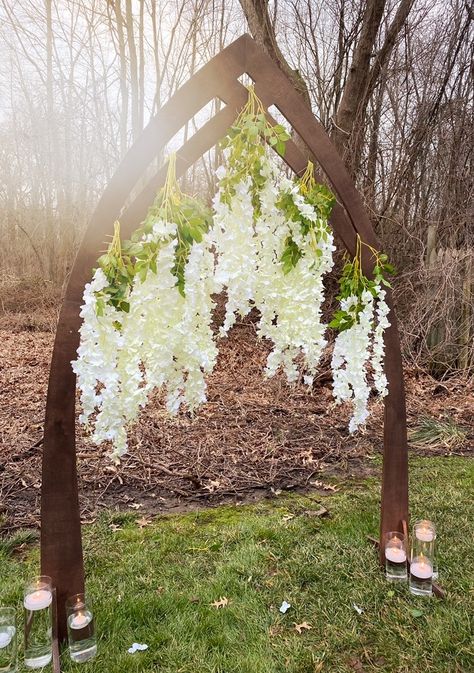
[(356, 664), (322, 511), (114, 527), (212, 485), (304, 626), (325, 487), (223, 602), (143, 522), (288, 517), (136, 505)]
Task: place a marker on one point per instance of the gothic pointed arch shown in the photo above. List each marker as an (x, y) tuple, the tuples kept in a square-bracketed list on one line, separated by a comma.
[(61, 548)]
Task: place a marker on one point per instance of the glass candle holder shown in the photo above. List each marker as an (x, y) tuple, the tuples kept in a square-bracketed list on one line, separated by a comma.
[(421, 576), (8, 641), (80, 629), (395, 557), (37, 603), (425, 532)]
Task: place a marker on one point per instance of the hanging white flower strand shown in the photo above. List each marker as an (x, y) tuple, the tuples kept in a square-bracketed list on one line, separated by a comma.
[(295, 254), (237, 204), (359, 346), (273, 242), (147, 318)]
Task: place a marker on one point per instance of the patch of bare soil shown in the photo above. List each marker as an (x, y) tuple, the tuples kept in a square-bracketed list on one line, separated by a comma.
[(253, 437)]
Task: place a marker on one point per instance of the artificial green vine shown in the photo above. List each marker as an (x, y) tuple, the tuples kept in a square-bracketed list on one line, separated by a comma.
[(245, 144), (322, 200), (123, 262), (246, 149), (353, 283)]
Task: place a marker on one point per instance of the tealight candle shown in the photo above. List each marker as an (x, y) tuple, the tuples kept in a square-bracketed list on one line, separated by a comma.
[(424, 531), (79, 621), (395, 555)]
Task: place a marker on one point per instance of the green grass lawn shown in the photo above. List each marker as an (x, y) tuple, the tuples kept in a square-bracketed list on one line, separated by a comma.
[(156, 584)]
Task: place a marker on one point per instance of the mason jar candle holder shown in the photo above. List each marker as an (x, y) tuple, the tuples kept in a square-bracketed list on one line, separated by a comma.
[(80, 629), (425, 532), (395, 557), (8, 641), (37, 603)]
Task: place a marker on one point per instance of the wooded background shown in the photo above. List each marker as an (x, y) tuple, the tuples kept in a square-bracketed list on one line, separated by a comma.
[(391, 81)]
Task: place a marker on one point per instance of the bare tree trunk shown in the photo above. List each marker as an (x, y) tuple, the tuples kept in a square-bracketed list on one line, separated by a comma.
[(49, 210), (134, 87), (123, 77), (358, 77), (349, 122), (263, 31), (141, 66)]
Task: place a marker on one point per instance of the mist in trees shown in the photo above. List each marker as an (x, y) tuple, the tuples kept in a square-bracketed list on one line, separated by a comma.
[(391, 81)]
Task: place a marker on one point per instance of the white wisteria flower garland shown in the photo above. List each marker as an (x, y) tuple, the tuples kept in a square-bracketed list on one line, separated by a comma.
[(148, 310), (146, 320), (274, 245), (359, 347)]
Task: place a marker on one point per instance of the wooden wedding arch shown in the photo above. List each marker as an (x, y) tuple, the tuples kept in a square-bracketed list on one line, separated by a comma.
[(61, 546)]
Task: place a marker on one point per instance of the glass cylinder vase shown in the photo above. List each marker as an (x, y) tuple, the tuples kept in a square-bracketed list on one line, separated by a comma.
[(421, 566), (425, 532), (8, 640), (37, 603), (80, 629)]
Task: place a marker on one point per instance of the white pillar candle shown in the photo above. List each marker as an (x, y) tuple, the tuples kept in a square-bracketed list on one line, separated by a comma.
[(395, 554), (38, 600), (421, 568)]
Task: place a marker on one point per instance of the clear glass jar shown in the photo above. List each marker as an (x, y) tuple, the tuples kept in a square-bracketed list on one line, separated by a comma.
[(37, 603), (8, 641), (395, 557), (425, 532), (80, 629)]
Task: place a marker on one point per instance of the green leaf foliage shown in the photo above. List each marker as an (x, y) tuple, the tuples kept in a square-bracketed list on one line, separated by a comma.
[(353, 282), (136, 258)]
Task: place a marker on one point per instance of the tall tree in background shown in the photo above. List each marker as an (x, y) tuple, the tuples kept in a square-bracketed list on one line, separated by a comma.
[(362, 74)]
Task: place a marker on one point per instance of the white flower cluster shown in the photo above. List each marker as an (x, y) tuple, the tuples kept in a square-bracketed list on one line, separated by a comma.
[(250, 250), (237, 250), (356, 350), (263, 258), (97, 365), (164, 340)]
